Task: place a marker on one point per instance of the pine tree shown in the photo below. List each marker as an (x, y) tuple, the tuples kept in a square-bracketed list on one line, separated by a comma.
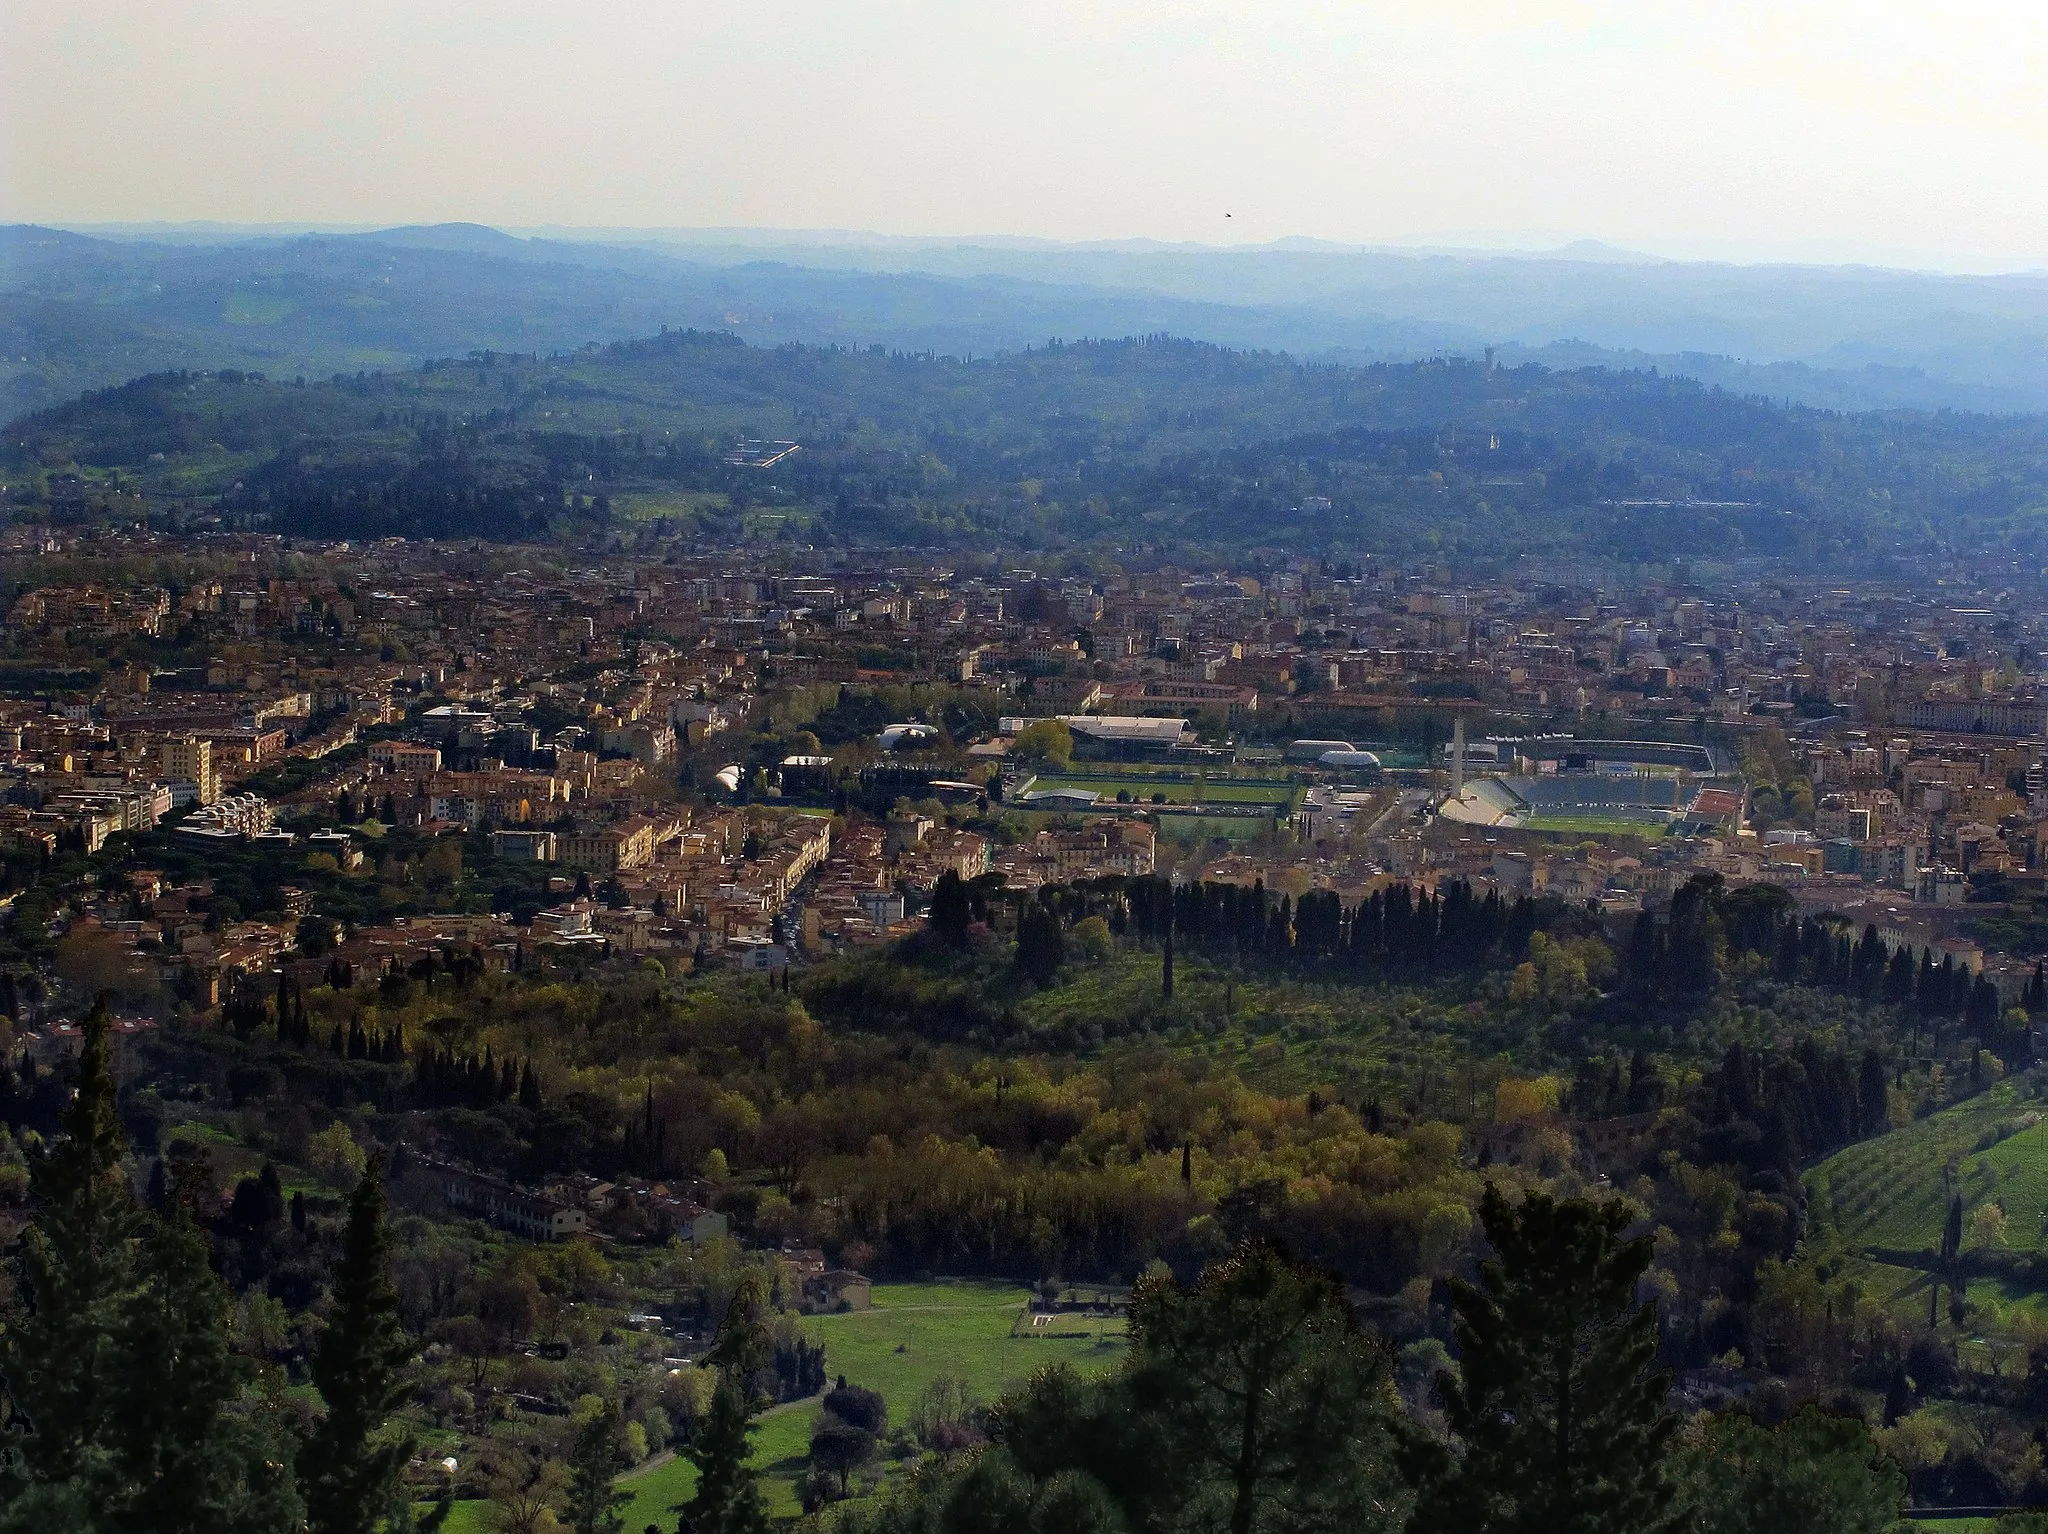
[(351, 1481), (185, 1461), (594, 1502), (1270, 1408), (728, 1499), (1560, 1405), (73, 1267)]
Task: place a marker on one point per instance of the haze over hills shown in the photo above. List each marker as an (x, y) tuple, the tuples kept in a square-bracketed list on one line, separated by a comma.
[(1118, 445), (80, 311)]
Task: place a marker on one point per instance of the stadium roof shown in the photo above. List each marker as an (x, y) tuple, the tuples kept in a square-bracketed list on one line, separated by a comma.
[(1133, 728)]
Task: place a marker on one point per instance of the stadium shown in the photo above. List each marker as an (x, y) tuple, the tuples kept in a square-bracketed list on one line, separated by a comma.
[(1636, 805)]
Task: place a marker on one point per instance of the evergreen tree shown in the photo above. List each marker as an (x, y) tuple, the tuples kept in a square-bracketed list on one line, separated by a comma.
[(1271, 1405), (349, 1476), (185, 1461), (951, 911), (1898, 977), (1041, 943), (594, 1502), (1873, 1094), (1898, 1396), (72, 1269), (1560, 1406), (1816, 1473), (1952, 1231), (728, 1498)]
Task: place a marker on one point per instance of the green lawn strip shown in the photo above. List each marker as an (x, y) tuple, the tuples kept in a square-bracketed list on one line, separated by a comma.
[(467, 1517)]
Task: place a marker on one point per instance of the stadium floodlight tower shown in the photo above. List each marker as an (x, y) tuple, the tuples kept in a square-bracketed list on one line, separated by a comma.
[(1457, 756)]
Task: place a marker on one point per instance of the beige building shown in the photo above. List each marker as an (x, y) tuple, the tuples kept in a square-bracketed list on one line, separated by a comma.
[(608, 849), (188, 759)]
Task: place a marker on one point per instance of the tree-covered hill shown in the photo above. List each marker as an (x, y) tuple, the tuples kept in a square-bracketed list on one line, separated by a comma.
[(1151, 441)]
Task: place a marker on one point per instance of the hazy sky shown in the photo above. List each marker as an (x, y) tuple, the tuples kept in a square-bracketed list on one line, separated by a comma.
[(1802, 129)]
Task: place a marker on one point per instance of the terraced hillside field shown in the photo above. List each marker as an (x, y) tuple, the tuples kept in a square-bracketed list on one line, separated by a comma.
[(1886, 1198)]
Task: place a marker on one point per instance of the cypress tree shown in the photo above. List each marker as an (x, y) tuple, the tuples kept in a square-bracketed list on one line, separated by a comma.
[(350, 1481), (594, 1502), (1952, 1231), (1898, 977), (1898, 1396), (73, 1266), (1873, 1095), (1791, 951), (951, 912), (1560, 1405), (728, 1498)]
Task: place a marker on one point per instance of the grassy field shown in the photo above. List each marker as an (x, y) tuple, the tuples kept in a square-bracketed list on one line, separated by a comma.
[(1593, 824), (1142, 788), (681, 505), (916, 1333)]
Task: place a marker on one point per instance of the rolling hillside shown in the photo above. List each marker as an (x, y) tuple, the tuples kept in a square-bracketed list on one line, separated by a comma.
[(1143, 443)]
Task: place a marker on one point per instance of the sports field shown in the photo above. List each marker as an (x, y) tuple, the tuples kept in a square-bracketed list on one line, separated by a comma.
[(1141, 788), (1593, 823)]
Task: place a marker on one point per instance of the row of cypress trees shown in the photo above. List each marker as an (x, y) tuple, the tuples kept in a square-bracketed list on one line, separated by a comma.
[(1403, 927), (441, 1077)]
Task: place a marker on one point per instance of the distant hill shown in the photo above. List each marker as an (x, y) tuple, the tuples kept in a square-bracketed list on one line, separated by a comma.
[(1158, 443), (79, 312)]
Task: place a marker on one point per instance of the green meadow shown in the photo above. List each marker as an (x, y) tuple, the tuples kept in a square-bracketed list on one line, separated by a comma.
[(968, 1329)]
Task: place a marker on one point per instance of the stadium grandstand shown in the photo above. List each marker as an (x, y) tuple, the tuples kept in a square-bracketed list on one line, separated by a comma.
[(1568, 801)]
